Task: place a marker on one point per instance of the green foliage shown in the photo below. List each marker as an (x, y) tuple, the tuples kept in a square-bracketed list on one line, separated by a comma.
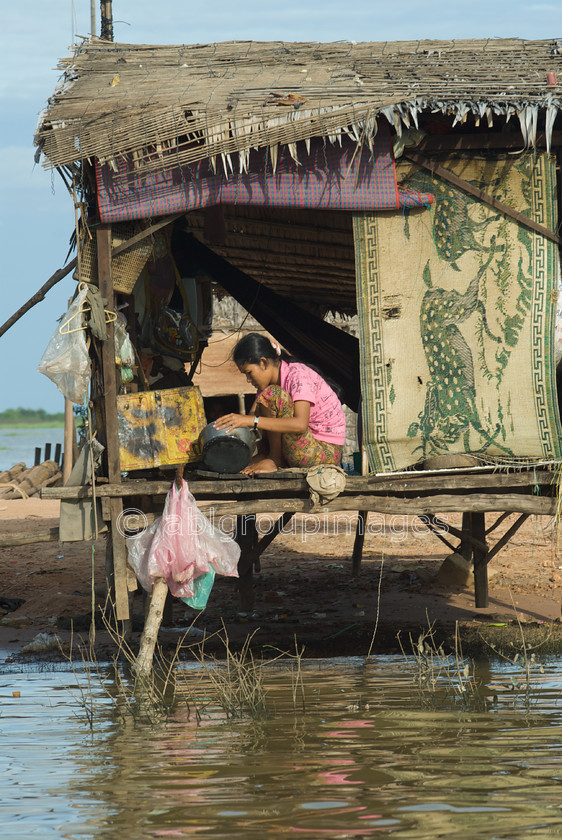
[(28, 416)]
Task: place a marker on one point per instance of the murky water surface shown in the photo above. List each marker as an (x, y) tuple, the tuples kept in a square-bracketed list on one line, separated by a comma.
[(366, 757)]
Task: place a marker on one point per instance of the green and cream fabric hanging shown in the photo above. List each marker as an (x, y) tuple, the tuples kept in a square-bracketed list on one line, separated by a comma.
[(456, 314)]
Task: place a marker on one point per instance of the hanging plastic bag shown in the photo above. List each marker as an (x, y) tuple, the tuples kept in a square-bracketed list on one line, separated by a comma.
[(124, 351), (138, 549), (201, 590), (65, 360), (181, 546)]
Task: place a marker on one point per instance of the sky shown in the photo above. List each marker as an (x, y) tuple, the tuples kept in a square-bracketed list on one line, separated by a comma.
[(36, 212)]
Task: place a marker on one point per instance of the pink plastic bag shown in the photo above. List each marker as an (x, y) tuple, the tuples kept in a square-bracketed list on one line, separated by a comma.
[(182, 546)]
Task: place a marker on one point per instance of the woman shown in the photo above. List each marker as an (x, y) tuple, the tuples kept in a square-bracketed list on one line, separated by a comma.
[(298, 414)]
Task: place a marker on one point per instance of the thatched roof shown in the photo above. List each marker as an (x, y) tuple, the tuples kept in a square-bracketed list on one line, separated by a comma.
[(203, 101)]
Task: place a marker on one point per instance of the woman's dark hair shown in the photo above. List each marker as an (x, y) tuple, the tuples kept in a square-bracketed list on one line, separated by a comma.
[(255, 346)]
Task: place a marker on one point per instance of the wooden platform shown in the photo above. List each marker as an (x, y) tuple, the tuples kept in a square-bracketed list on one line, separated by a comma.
[(425, 495)]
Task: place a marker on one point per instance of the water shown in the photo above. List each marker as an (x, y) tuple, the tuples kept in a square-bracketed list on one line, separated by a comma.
[(17, 444), (366, 758)]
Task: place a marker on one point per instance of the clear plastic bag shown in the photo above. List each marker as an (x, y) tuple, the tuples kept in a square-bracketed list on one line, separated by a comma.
[(181, 546), (65, 360), (124, 351), (138, 549)]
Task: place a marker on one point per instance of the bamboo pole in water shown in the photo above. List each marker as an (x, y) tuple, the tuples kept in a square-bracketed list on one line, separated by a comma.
[(153, 620), (143, 664)]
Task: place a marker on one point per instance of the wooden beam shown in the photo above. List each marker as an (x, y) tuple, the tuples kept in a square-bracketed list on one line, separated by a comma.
[(144, 662), (138, 237), (109, 408), (358, 543), (483, 140), (355, 484), (486, 198), (480, 560), (428, 521), (497, 522), (478, 502), (506, 537), (463, 535), (247, 539), (267, 539), (27, 537), (39, 295)]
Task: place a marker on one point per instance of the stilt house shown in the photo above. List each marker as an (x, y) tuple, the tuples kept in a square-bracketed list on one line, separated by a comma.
[(414, 183)]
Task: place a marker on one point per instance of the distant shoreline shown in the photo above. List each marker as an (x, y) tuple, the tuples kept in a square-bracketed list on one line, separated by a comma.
[(46, 424)]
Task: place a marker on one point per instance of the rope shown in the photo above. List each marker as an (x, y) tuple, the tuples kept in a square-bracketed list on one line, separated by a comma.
[(15, 487)]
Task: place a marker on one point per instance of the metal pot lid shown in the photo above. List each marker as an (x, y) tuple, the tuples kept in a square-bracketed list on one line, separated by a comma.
[(226, 454)]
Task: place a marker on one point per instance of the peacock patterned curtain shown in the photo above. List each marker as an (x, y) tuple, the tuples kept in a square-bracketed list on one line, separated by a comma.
[(457, 312)]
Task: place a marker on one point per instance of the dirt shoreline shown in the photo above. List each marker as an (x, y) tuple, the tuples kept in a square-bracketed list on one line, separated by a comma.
[(304, 594)]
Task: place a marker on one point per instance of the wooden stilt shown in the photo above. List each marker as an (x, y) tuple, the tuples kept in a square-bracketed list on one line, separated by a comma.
[(247, 539), (507, 536), (144, 660), (68, 456), (359, 541), (267, 539), (466, 548), (498, 521), (480, 560), (109, 409)]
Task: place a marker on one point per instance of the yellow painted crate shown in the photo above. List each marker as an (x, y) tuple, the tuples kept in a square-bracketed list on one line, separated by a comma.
[(159, 428)]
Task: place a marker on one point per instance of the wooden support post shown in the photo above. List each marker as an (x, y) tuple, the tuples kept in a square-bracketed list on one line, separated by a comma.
[(247, 539), (69, 437), (359, 542), (498, 521), (58, 450), (37, 460), (267, 539), (357, 554), (47, 452), (480, 560), (111, 430), (507, 536), (433, 525), (484, 197), (466, 548)]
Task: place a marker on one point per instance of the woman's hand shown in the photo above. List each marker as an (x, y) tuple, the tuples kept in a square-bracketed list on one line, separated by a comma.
[(234, 421)]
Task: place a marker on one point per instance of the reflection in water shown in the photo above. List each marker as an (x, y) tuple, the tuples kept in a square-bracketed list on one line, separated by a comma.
[(363, 761)]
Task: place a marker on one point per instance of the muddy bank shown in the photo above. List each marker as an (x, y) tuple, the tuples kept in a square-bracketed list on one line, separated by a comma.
[(304, 593)]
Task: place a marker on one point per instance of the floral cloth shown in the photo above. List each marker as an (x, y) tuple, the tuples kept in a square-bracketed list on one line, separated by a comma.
[(327, 418), (298, 450)]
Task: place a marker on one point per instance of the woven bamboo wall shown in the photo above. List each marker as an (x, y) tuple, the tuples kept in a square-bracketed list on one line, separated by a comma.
[(305, 255)]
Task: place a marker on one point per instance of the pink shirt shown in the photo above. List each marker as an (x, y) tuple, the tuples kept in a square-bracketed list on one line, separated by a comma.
[(327, 419)]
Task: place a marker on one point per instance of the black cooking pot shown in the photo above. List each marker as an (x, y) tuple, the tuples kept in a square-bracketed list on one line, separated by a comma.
[(227, 452)]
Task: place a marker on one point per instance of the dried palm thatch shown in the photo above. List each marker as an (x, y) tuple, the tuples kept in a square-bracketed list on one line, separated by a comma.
[(170, 105)]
